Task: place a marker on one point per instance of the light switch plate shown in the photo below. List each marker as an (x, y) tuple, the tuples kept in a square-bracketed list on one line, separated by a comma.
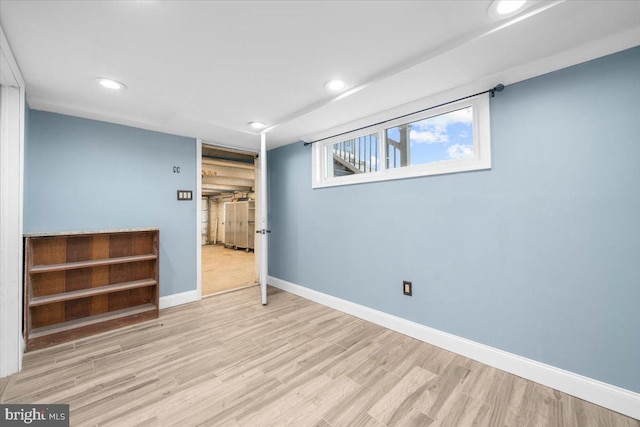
[(407, 288), (185, 195)]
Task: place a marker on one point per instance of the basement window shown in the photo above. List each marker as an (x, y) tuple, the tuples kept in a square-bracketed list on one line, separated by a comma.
[(448, 139)]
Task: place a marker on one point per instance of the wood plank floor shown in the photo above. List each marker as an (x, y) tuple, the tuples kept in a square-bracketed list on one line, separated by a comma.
[(229, 361)]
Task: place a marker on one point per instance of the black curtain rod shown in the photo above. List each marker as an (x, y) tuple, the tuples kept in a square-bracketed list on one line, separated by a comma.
[(492, 91)]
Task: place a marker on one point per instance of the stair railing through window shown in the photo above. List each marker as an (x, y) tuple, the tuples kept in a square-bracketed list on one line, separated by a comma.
[(357, 155)]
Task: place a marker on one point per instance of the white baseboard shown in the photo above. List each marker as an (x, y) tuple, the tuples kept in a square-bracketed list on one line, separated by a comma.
[(179, 299), (609, 396)]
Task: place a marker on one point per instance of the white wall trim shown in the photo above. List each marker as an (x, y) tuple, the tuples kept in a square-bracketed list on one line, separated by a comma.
[(179, 299), (199, 217), (609, 396), (12, 97)]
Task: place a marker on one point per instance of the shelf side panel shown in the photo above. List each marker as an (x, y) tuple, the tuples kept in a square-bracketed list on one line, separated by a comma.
[(156, 268)]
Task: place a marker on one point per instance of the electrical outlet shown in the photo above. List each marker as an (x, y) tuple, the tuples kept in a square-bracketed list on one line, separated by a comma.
[(407, 288)]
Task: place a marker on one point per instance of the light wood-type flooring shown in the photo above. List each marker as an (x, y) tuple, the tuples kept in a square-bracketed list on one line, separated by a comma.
[(224, 269), (230, 361)]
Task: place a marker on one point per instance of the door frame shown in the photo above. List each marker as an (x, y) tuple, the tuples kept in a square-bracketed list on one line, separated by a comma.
[(199, 218), (198, 196), (12, 111), (263, 214)]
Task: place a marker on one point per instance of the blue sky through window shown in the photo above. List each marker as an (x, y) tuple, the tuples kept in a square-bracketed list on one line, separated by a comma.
[(440, 138)]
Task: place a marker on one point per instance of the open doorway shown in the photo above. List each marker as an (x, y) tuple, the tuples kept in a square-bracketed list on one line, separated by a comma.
[(228, 225)]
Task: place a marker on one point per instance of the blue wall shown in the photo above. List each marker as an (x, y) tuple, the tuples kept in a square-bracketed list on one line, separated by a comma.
[(540, 256), (88, 175)]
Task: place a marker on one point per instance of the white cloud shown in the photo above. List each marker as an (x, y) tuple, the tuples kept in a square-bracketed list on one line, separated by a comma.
[(434, 129), (459, 151), (459, 116), (430, 135)]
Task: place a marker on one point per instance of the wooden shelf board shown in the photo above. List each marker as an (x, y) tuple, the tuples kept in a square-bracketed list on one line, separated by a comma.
[(90, 232), (90, 263), (91, 320), (84, 293)]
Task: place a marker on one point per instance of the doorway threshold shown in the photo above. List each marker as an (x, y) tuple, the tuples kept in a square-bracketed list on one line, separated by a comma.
[(230, 290)]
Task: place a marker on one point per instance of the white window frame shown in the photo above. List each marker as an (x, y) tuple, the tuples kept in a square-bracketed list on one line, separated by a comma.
[(481, 159)]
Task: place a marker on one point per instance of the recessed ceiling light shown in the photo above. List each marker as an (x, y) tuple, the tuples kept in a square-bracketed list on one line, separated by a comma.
[(110, 84), (335, 85), (257, 125), (505, 8)]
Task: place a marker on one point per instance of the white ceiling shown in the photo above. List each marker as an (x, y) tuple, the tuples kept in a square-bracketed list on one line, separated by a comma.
[(207, 68)]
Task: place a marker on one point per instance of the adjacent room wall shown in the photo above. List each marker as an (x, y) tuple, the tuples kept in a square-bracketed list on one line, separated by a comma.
[(84, 174), (537, 256)]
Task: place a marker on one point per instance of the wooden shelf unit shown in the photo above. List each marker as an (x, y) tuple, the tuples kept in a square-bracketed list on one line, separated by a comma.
[(79, 284)]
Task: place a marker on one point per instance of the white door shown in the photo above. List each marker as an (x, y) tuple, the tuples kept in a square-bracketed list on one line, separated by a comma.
[(262, 231)]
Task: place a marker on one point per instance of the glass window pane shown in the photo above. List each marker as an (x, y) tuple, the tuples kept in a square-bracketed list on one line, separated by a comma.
[(353, 156), (435, 139), (397, 147)]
